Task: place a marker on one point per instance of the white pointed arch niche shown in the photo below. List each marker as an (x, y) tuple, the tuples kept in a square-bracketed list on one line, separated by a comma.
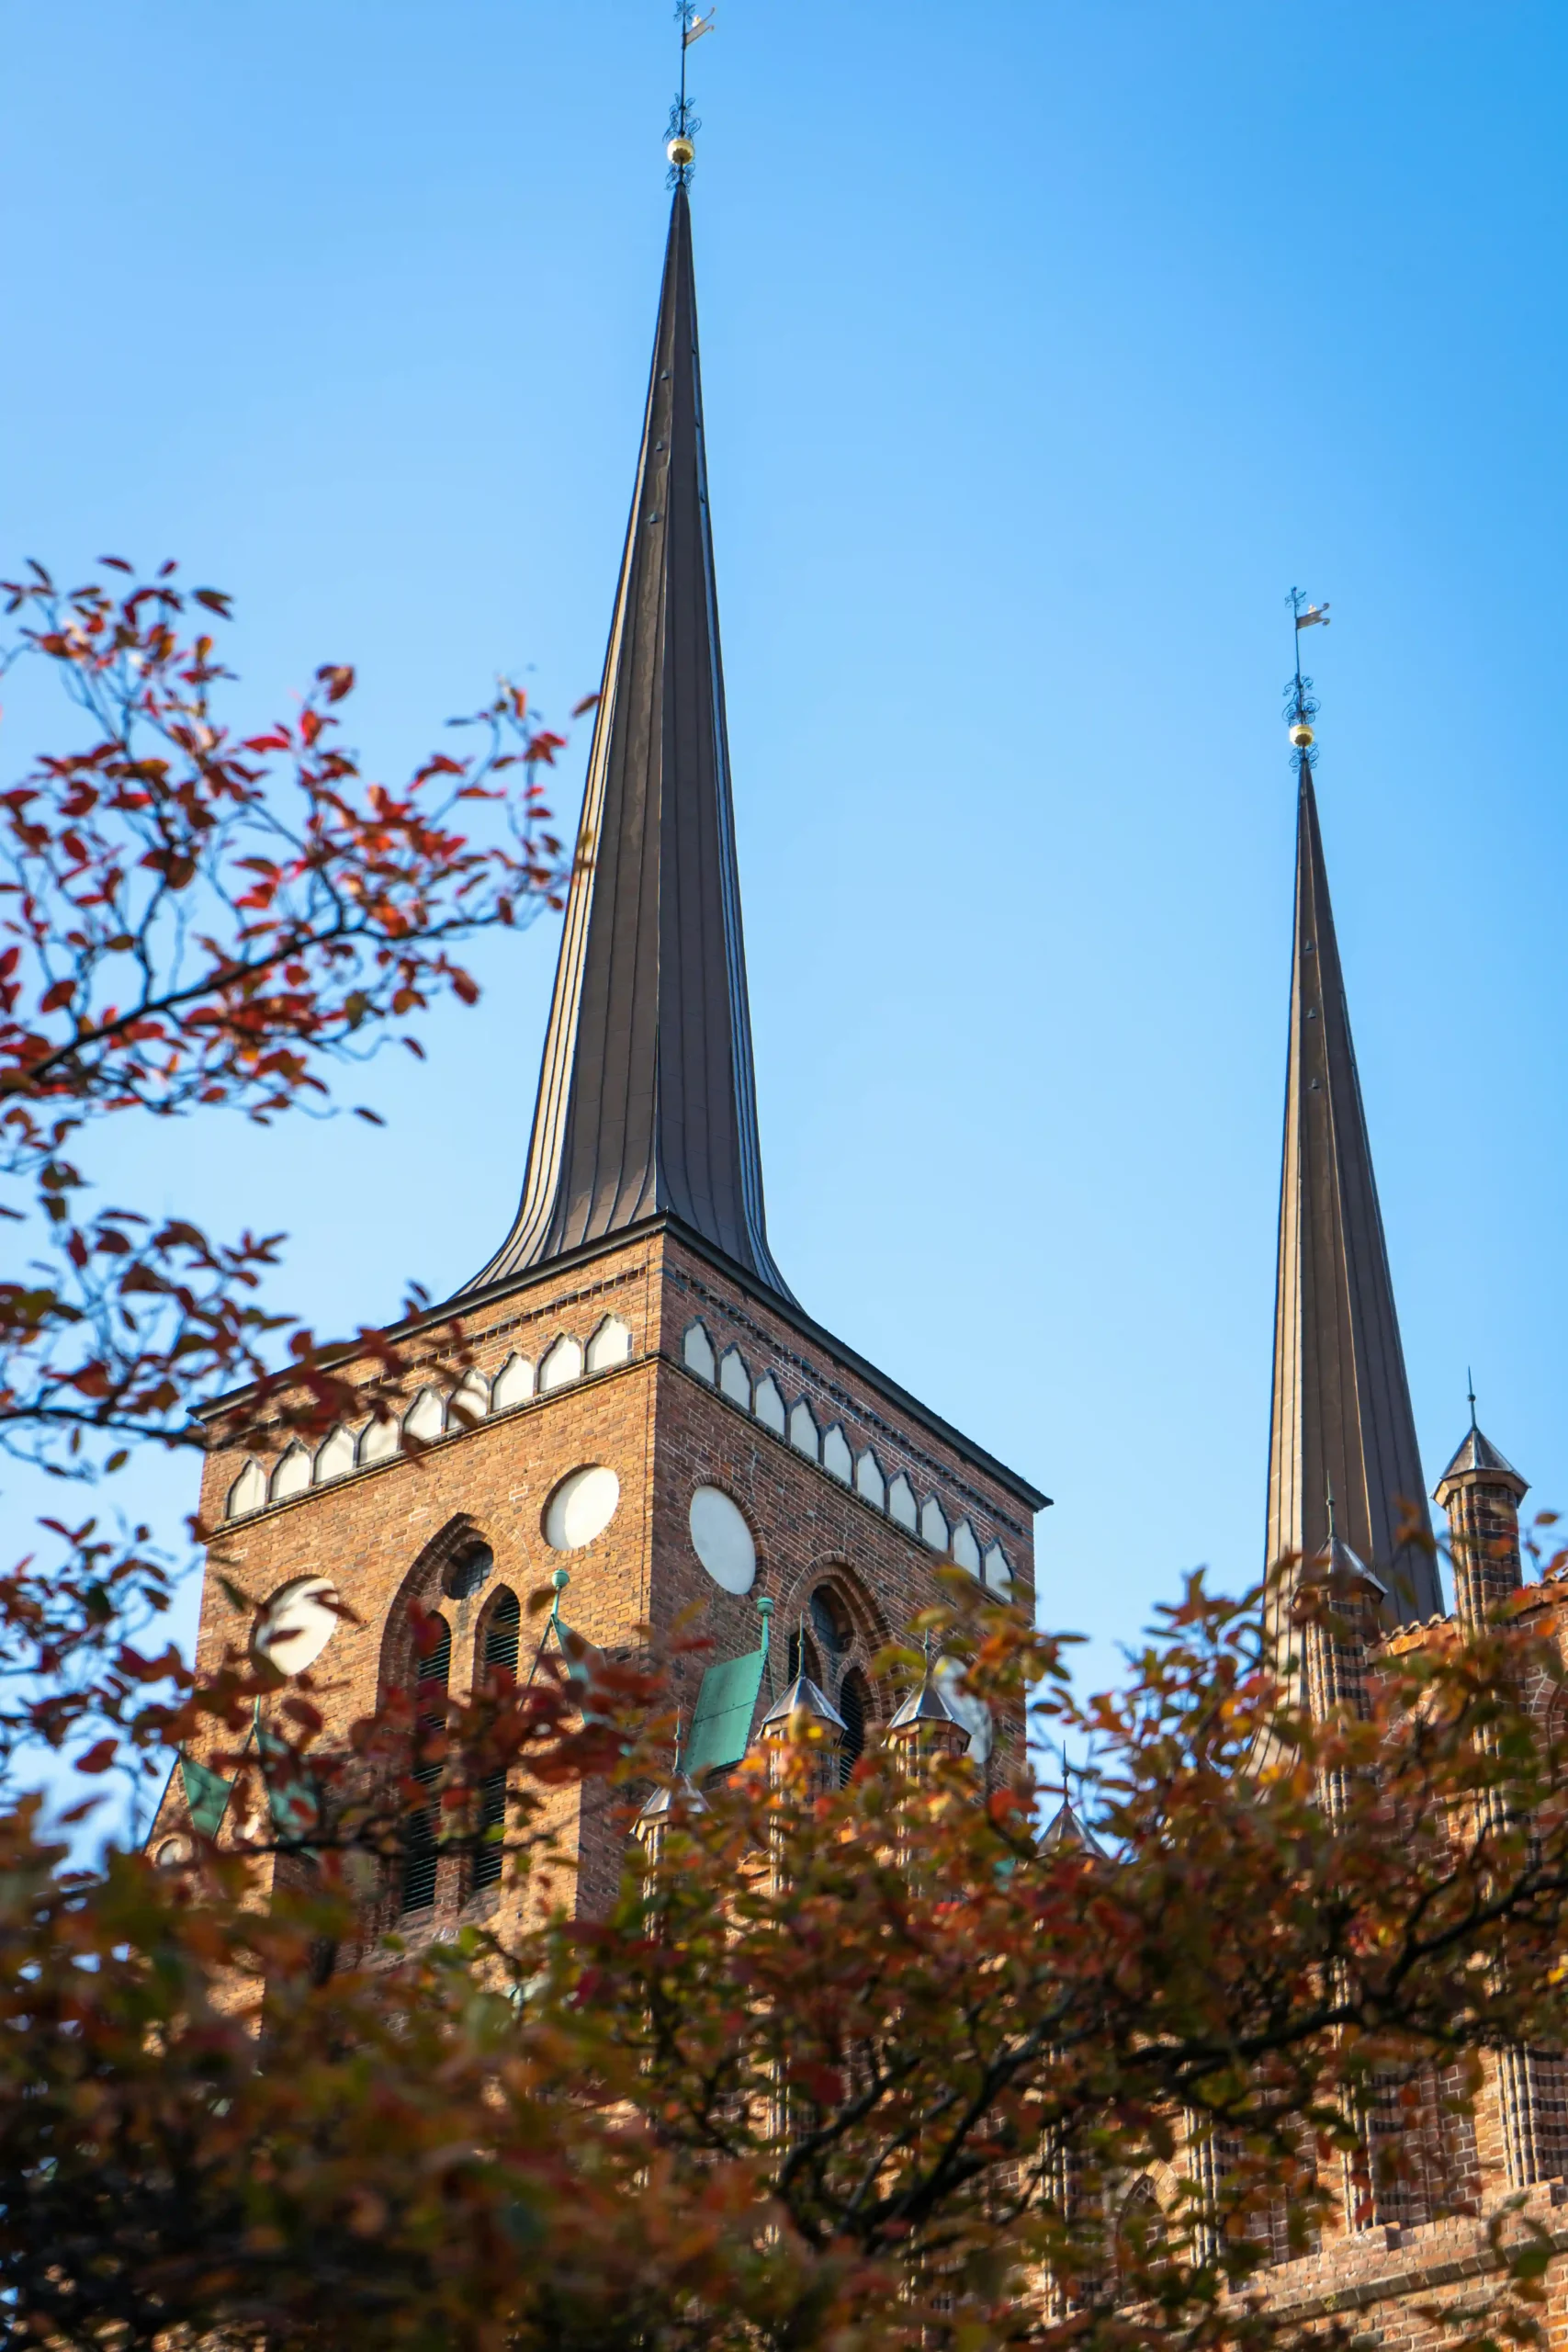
[(248, 1492), (610, 1345)]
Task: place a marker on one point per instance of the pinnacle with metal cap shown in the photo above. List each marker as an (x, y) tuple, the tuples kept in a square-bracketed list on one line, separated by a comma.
[(804, 1698), (1476, 1453), (927, 1707), (679, 1790)]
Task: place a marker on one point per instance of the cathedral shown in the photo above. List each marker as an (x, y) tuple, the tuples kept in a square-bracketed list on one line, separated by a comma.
[(644, 1422)]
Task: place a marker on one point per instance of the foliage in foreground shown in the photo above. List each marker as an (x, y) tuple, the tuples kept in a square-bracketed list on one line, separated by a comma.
[(853, 2069), (858, 2068), (195, 918)]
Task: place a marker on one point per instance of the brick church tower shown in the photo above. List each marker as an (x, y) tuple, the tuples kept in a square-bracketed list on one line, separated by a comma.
[(652, 1423)]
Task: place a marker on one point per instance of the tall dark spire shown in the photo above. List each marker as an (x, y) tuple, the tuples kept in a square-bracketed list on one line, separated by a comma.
[(1341, 1413), (647, 1100)]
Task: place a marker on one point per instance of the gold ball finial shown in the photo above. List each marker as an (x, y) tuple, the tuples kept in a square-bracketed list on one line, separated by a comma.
[(1302, 735), (681, 152)]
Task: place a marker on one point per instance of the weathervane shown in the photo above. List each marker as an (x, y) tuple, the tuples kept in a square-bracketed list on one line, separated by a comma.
[(683, 125), (1301, 703)]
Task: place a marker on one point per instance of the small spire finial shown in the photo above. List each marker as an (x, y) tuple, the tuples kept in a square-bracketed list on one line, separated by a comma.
[(1301, 704), (683, 125), (1469, 1383), (1332, 1531)]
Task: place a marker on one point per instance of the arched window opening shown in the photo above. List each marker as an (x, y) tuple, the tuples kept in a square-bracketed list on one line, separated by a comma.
[(502, 1634), (501, 1638), (467, 1572), (432, 1672), (854, 1705), (831, 1620)]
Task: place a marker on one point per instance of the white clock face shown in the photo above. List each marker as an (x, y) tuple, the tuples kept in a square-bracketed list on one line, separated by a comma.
[(297, 1624)]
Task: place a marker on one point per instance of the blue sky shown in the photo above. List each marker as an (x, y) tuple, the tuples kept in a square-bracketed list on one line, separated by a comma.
[(1045, 344)]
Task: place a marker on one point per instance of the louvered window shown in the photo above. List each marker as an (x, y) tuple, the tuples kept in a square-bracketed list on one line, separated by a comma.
[(853, 1706), (500, 1657), (421, 1852)]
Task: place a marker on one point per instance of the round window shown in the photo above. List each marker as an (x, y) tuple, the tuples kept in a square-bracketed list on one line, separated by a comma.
[(722, 1541), (297, 1624), (581, 1507)]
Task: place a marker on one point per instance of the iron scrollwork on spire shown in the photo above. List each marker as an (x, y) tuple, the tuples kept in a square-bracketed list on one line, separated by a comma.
[(1301, 703), (683, 125)]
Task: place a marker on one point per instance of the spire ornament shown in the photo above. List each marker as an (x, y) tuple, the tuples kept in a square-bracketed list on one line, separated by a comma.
[(682, 127), (1301, 703)]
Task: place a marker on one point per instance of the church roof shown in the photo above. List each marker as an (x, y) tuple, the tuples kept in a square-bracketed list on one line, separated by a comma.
[(1341, 1421), (647, 1100)]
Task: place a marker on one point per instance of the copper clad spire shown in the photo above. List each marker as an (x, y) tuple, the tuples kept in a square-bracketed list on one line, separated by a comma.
[(647, 1100), (1342, 1421)]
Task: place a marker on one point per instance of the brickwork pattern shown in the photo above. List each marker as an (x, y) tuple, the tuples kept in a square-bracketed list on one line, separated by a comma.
[(389, 1532)]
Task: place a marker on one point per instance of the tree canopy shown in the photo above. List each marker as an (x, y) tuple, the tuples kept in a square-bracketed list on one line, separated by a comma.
[(902, 2062)]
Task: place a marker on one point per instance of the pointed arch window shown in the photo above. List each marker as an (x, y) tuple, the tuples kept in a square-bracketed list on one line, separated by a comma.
[(503, 1636), (433, 1673)]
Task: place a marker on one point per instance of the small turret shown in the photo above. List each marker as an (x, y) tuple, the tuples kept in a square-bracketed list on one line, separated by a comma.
[(674, 1799), (1343, 1603), (1482, 1493), (1069, 1834), (926, 1724), (804, 1712)]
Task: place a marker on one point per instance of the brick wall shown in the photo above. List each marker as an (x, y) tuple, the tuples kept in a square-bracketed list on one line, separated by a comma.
[(389, 1532)]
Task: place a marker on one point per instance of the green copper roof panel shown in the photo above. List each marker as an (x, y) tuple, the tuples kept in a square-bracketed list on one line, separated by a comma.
[(721, 1727), (206, 1794), (293, 1800)]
